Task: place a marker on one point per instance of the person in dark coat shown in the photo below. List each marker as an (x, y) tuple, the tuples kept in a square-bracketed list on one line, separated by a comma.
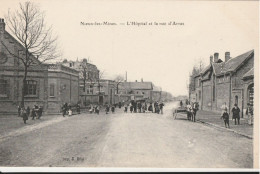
[(113, 109), (78, 108), (150, 108), (236, 114), (161, 107), (225, 117), (181, 103), (131, 108), (195, 108), (64, 109), (40, 110), (28, 110), (135, 107), (24, 115), (33, 114), (107, 109), (119, 105)]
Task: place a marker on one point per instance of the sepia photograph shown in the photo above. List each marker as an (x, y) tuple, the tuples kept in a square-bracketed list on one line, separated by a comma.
[(129, 85)]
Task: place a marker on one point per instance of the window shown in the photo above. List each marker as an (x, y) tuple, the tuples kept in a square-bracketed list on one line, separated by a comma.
[(52, 90), (3, 87), (90, 89), (199, 95), (236, 99), (199, 82), (31, 87)]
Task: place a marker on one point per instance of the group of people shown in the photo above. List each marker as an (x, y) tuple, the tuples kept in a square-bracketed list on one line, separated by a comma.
[(142, 107), (67, 109), (236, 114), (192, 109), (35, 112), (94, 109)]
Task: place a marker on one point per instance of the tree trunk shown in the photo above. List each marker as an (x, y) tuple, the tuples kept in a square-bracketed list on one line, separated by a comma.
[(24, 85)]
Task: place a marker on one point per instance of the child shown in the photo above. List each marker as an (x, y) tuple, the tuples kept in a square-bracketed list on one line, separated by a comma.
[(113, 109), (24, 115), (225, 117), (70, 112)]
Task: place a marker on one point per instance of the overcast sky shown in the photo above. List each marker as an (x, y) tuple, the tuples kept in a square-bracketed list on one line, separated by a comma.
[(164, 55)]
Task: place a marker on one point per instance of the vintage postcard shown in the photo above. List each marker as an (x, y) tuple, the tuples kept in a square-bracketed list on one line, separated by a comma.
[(130, 85)]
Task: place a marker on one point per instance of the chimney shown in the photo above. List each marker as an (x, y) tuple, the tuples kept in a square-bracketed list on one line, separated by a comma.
[(211, 59), (227, 56), (2, 25), (142, 80), (135, 80), (215, 57)]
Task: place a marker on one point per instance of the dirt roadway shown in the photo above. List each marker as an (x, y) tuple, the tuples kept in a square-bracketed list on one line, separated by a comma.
[(127, 140)]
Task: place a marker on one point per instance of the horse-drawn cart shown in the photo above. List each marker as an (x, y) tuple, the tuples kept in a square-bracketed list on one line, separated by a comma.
[(180, 109)]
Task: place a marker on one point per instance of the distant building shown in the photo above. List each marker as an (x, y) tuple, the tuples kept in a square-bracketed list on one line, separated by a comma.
[(89, 81), (230, 81), (101, 92), (136, 91), (48, 85)]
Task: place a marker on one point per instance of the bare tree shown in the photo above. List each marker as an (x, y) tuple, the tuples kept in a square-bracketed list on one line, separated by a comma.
[(119, 79), (27, 25)]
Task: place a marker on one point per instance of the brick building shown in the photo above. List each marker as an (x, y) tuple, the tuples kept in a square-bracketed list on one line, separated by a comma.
[(230, 81), (100, 92), (48, 85), (136, 90)]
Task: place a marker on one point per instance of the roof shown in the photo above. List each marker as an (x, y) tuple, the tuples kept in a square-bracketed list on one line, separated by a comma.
[(8, 35), (250, 73), (205, 69), (232, 64), (138, 85)]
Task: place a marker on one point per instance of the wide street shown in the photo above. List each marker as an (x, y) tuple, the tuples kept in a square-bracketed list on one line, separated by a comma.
[(125, 140)]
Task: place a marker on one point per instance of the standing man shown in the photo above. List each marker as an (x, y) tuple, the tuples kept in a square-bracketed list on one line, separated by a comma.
[(195, 109), (189, 110), (40, 112), (161, 107), (181, 103), (236, 114)]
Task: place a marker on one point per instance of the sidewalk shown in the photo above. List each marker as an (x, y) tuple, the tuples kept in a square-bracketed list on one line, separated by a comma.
[(213, 119), (13, 122)]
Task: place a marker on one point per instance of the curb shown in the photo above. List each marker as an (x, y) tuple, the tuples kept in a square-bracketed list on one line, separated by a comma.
[(220, 127)]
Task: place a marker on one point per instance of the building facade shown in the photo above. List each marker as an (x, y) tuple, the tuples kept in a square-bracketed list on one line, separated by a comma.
[(47, 85), (230, 81)]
